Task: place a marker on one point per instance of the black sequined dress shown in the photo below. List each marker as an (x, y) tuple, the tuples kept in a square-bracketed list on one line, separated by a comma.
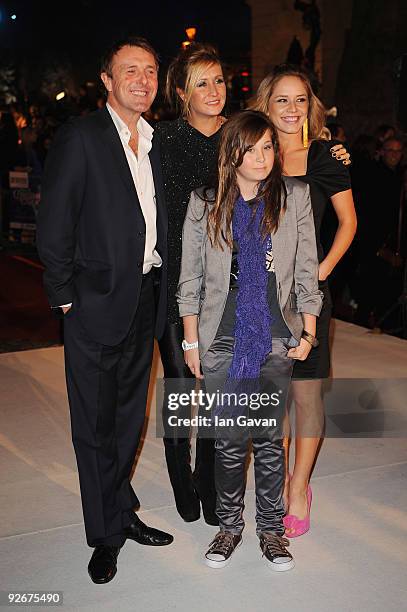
[(188, 162)]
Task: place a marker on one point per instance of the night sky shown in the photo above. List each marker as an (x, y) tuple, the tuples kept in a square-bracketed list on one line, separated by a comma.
[(78, 31)]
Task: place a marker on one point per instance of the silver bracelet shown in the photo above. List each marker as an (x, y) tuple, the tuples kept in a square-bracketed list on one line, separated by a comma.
[(188, 346)]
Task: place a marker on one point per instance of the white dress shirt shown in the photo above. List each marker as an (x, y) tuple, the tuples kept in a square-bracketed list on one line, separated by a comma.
[(141, 172)]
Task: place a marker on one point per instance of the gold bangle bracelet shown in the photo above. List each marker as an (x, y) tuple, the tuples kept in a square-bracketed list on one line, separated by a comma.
[(312, 340)]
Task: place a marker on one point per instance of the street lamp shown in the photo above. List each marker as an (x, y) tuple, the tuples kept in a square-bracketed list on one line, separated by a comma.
[(191, 33)]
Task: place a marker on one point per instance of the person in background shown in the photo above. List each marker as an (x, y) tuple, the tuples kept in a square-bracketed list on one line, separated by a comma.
[(44, 145), (27, 154), (382, 133), (381, 225), (8, 145)]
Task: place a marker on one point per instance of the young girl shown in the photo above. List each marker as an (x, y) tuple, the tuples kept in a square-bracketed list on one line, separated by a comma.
[(248, 295)]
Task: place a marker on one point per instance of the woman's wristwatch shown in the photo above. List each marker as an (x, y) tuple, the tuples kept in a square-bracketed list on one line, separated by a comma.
[(186, 346), (312, 340)]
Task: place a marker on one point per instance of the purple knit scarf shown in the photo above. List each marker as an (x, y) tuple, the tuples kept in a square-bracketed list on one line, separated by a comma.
[(253, 318)]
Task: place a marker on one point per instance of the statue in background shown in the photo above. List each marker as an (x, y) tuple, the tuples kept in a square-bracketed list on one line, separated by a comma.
[(312, 21)]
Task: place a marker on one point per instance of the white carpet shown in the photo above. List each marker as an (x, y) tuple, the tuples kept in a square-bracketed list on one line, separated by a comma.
[(354, 557)]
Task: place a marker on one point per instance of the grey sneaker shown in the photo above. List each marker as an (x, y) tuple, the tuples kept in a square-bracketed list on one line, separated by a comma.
[(275, 553), (221, 549)]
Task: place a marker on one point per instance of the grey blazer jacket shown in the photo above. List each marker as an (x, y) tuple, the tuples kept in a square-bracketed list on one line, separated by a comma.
[(205, 270)]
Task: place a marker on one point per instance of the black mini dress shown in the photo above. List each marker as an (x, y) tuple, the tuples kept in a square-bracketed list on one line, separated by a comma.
[(326, 177)]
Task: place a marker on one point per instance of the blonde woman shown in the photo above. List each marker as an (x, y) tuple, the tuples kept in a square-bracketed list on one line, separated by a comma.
[(196, 91), (286, 96)]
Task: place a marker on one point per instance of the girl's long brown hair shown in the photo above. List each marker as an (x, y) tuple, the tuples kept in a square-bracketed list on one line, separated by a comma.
[(240, 133), (316, 111)]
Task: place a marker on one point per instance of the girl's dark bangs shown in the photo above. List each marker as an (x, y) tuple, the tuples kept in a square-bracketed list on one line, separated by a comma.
[(250, 133)]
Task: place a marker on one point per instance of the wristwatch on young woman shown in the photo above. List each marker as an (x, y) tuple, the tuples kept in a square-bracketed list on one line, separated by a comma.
[(186, 346)]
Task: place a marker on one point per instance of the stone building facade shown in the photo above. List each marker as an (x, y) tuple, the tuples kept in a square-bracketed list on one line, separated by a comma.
[(355, 57), (276, 22)]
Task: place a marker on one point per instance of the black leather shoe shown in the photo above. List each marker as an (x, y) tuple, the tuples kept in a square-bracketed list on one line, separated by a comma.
[(141, 533), (102, 566)]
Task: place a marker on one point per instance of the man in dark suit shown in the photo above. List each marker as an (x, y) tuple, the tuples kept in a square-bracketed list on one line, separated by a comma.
[(102, 238)]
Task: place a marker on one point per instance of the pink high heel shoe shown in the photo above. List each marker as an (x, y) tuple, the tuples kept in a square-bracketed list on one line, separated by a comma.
[(298, 526)]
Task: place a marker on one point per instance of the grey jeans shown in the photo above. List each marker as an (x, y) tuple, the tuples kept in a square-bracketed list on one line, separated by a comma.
[(232, 442)]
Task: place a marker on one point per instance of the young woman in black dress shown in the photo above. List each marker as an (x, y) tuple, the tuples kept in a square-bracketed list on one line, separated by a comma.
[(286, 96), (196, 90)]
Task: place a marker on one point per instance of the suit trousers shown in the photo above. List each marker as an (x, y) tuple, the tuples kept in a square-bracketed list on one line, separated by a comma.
[(232, 444), (107, 391)]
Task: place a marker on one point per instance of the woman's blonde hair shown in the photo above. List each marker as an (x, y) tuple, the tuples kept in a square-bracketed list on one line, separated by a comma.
[(184, 73), (316, 111)]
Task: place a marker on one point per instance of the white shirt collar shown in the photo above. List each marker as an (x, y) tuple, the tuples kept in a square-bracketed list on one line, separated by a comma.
[(143, 127)]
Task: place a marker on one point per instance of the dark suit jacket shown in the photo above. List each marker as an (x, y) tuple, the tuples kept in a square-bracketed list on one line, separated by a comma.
[(91, 230)]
